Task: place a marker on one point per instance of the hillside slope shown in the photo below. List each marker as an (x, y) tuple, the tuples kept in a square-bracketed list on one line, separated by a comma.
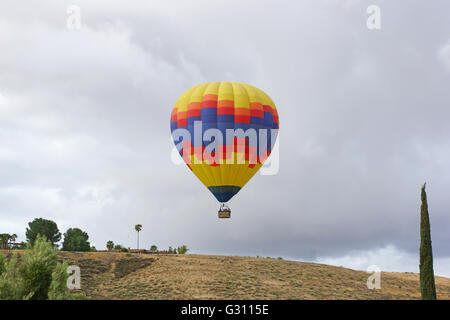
[(121, 276)]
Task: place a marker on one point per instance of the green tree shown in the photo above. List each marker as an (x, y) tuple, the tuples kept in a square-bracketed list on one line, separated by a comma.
[(76, 240), (46, 228), (427, 285), (109, 245), (10, 285), (39, 276), (58, 286), (36, 270), (4, 239), (138, 229), (153, 248), (13, 240), (182, 249), (3, 263)]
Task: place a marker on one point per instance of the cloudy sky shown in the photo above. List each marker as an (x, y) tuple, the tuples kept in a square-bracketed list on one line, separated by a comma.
[(364, 122)]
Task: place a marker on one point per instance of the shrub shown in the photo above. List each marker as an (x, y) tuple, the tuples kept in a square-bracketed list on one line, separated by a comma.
[(38, 276), (121, 248), (36, 269), (9, 281), (58, 286), (153, 248), (2, 263), (182, 249)]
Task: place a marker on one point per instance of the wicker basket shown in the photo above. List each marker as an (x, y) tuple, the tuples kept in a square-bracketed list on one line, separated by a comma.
[(224, 214)]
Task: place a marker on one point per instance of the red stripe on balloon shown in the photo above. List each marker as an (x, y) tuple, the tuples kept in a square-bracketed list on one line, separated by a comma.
[(225, 111), (194, 113), (173, 116), (256, 109), (182, 123), (209, 104), (267, 109), (241, 119)]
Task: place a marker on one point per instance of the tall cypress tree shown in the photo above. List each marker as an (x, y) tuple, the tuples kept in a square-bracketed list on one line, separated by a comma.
[(427, 285)]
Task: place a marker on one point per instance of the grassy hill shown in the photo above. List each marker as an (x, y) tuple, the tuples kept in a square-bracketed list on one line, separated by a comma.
[(121, 276)]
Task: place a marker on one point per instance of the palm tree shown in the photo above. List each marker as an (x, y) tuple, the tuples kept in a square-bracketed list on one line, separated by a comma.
[(4, 238), (13, 238), (109, 245), (138, 228)]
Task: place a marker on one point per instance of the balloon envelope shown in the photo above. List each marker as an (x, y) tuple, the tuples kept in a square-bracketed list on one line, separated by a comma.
[(224, 131)]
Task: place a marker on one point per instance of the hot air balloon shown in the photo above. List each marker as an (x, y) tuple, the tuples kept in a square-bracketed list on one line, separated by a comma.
[(224, 131)]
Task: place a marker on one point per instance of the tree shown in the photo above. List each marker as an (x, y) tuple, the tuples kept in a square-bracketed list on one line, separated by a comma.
[(4, 239), (182, 249), (109, 245), (46, 228), (10, 286), (13, 238), (153, 248), (39, 276), (76, 240), (138, 229), (3, 262), (427, 285)]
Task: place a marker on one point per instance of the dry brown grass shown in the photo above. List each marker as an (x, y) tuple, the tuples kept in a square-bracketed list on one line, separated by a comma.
[(229, 277), (106, 275)]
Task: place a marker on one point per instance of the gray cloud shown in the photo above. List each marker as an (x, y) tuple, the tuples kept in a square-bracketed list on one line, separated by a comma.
[(84, 123)]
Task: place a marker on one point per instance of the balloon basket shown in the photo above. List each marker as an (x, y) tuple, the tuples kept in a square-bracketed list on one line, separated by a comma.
[(224, 212)]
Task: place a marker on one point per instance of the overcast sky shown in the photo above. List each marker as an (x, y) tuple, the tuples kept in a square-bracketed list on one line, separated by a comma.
[(364, 122)]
